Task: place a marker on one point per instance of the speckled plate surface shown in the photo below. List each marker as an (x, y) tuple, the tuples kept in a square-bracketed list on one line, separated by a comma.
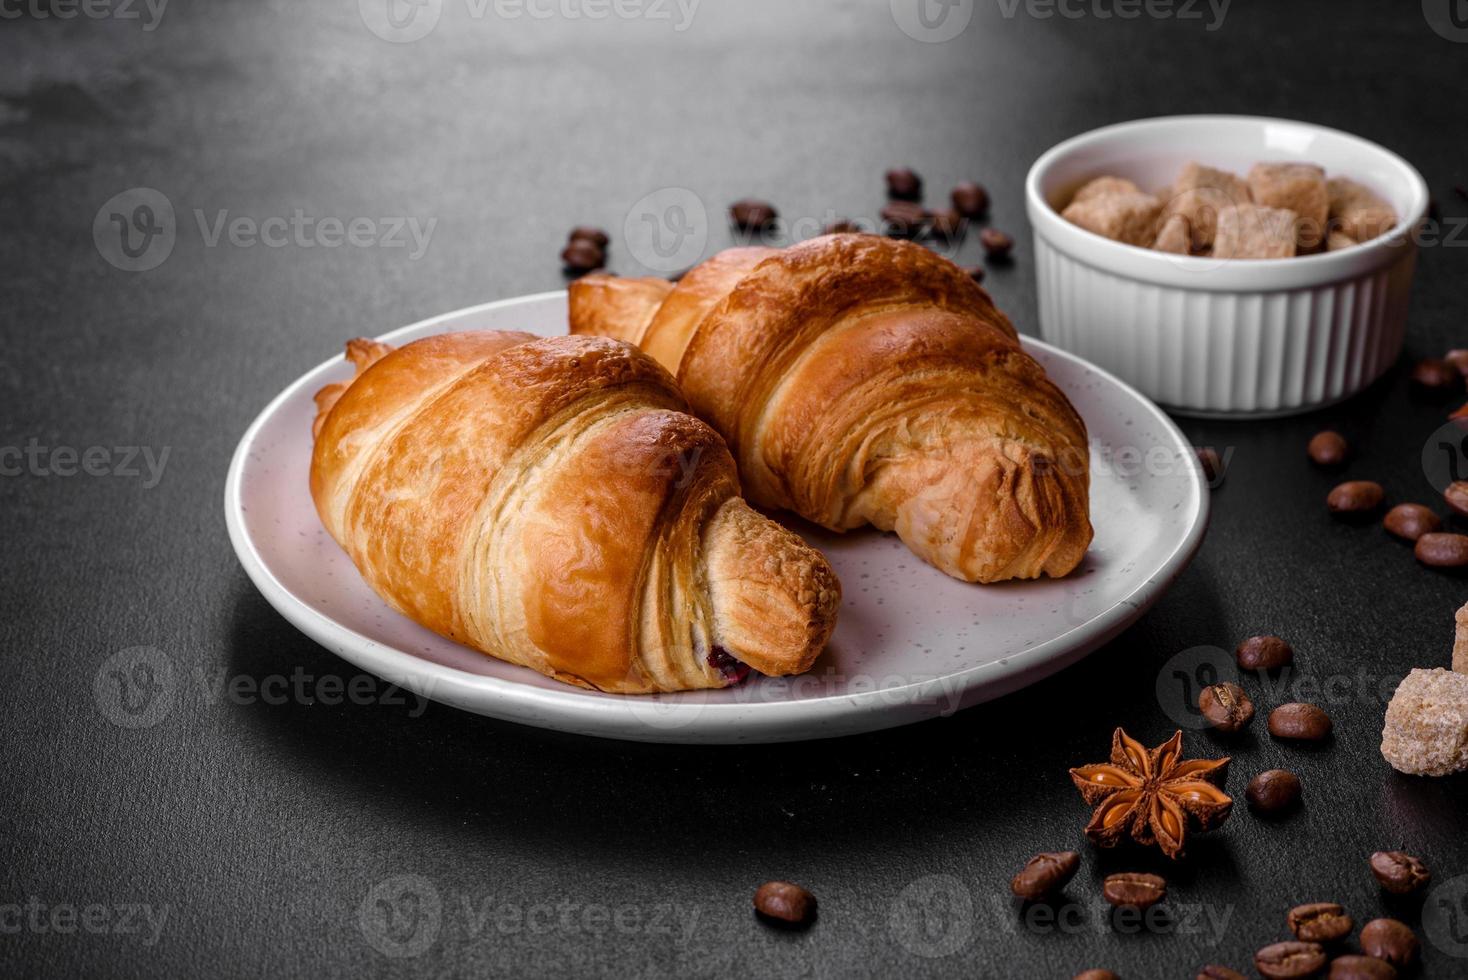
[(911, 643)]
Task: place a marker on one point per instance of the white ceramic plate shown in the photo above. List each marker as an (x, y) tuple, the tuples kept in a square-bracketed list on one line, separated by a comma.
[(910, 643)]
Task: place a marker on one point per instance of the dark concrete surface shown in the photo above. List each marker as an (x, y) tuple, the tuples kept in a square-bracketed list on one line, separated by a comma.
[(255, 835)]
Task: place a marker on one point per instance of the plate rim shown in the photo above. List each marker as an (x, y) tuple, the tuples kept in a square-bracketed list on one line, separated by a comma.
[(573, 710)]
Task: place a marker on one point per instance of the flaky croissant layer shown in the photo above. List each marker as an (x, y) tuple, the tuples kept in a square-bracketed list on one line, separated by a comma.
[(549, 502), (862, 380)]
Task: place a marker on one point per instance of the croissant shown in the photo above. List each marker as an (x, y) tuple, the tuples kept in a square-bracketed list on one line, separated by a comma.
[(549, 502), (863, 380)]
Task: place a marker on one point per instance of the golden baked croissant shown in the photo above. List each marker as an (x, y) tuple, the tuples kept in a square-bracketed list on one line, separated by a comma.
[(549, 502), (863, 380)]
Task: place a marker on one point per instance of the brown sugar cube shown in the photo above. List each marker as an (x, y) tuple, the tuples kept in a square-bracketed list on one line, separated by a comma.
[(1175, 236), (1426, 731), (1200, 193), (1105, 187), (1249, 231), (1357, 211), (1297, 187), (1460, 641), (1337, 240), (1129, 218)]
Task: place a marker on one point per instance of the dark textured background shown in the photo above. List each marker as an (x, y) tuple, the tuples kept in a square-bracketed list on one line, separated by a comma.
[(263, 829)]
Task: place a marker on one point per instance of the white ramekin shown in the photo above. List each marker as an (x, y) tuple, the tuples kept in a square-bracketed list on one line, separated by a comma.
[(1224, 337)]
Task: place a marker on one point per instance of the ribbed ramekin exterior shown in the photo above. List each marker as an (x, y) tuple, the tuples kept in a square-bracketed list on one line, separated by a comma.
[(1206, 352)]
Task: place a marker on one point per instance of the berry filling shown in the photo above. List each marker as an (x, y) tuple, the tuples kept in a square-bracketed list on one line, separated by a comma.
[(732, 670)]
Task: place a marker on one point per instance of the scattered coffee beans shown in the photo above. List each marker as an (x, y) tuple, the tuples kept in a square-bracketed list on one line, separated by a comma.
[(1215, 972), (904, 219), (752, 215), (904, 185), (1134, 889), (1273, 792), (1319, 922), (1411, 521), (595, 236), (784, 901), (1442, 550), (1226, 707), (1096, 975), (1457, 496), (1211, 462), (1361, 968), (1390, 940), (971, 200), (1400, 873), (1264, 653), (975, 272), (1355, 497), (1299, 722), (1436, 377), (581, 256), (1328, 448), (1459, 360), (1045, 874), (947, 224), (1286, 960), (997, 245)]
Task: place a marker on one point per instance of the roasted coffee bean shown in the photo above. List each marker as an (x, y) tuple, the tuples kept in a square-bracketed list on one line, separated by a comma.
[(1215, 972), (970, 199), (1390, 940), (1328, 448), (1456, 496), (1045, 874), (1355, 497), (1319, 922), (1226, 707), (1411, 521), (1436, 377), (1300, 722), (842, 226), (975, 272), (997, 245), (1134, 889), (1458, 359), (1290, 960), (1442, 550), (1096, 975), (947, 224), (582, 256), (1273, 792), (1209, 459), (752, 215), (1361, 968), (904, 219), (1400, 873), (595, 236), (1264, 653), (784, 901), (904, 185)]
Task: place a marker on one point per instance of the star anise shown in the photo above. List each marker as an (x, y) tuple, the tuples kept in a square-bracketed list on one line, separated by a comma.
[(1154, 796)]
